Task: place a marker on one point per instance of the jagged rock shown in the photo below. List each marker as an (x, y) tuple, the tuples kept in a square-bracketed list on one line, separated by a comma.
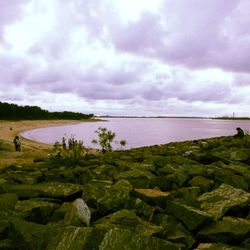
[(204, 183), (240, 155), (228, 230), (7, 201), (94, 191), (78, 214), (174, 231), (50, 189), (106, 239), (29, 235), (143, 209), (152, 196), (164, 183), (129, 220), (60, 212), (217, 246), (191, 217), (136, 173), (35, 210), (187, 196), (225, 175), (114, 198), (220, 200)]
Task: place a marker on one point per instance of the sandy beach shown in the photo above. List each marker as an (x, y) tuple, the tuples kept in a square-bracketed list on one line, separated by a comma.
[(9, 129), (29, 149)]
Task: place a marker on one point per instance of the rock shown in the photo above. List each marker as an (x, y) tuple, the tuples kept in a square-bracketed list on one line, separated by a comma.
[(229, 230), (174, 231), (127, 219), (59, 213), (50, 189), (143, 209), (191, 217), (7, 201), (78, 214), (106, 239), (94, 191), (116, 198), (240, 155), (152, 196), (29, 235), (204, 183), (217, 246), (220, 200), (136, 173), (35, 210)]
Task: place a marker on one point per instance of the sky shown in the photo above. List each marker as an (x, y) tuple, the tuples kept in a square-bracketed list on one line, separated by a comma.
[(127, 57)]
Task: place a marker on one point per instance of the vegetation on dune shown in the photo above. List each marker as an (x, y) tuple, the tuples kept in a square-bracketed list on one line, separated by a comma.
[(16, 112)]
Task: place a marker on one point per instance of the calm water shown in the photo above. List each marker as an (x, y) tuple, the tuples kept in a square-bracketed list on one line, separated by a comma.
[(140, 132)]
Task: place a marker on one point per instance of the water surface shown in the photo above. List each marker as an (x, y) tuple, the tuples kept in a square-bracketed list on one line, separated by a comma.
[(140, 132)]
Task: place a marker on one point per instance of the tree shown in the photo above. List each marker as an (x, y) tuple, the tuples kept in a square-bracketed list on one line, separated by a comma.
[(105, 138)]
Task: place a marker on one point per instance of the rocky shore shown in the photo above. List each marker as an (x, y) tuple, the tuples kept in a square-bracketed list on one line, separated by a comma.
[(186, 195)]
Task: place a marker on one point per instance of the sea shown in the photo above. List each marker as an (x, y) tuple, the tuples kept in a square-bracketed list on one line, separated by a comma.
[(140, 132)]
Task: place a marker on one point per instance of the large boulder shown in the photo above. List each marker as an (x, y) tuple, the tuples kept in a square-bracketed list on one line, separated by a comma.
[(152, 196), (38, 211), (218, 246), (228, 230), (135, 173), (74, 238), (29, 235), (128, 219), (173, 231), (191, 217), (7, 201), (222, 199), (50, 189), (78, 214), (116, 197)]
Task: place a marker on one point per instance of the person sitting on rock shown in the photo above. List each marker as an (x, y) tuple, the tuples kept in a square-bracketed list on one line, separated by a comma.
[(240, 133), (17, 143)]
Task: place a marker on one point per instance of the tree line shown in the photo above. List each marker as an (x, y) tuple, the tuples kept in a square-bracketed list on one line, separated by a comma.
[(16, 112)]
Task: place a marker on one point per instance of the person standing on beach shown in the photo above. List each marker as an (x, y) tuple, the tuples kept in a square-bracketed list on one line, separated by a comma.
[(17, 143), (64, 143)]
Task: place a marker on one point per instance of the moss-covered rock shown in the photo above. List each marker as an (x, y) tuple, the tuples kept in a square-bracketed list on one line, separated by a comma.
[(152, 196), (7, 201), (128, 219), (191, 217), (220, 200), (35, 210), (78, 214), (50, 189), (218, 246), (228, 230), (106, 239), (173, 230)]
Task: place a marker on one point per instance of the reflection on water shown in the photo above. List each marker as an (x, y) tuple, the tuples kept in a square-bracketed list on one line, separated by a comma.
[(140, 132)]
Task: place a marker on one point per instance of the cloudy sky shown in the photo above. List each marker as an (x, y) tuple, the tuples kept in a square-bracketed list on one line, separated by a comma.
[(127, 57)]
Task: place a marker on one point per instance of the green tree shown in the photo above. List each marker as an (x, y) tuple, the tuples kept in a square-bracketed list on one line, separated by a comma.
[(105, 138)]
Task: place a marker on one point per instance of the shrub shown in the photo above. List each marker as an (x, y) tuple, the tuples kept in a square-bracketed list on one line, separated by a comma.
[(71, 155)]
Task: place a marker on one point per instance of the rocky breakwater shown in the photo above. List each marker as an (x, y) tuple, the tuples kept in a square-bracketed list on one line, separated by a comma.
[(187, 195)]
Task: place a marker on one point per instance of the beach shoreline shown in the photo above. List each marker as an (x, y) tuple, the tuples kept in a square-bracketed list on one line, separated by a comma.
[(9, 129)]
